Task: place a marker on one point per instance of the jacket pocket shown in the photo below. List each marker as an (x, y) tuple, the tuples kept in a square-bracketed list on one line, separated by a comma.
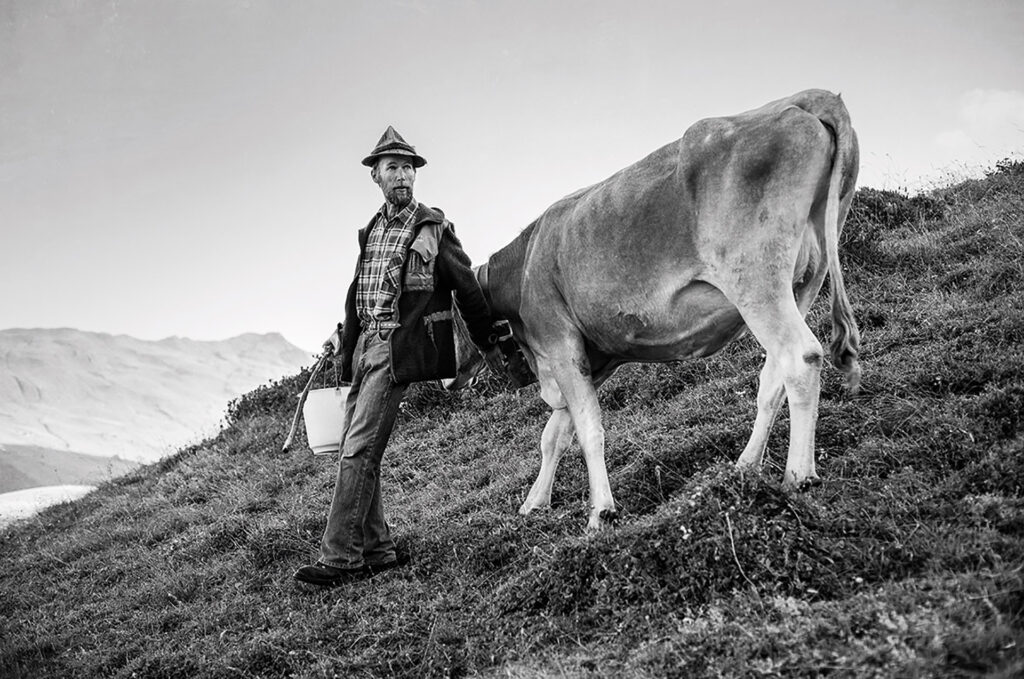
[(419, 270)]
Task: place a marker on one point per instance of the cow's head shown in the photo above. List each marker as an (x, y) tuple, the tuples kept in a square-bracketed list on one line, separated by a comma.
[(468, 359)]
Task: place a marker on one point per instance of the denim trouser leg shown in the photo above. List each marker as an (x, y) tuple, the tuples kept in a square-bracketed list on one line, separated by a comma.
[(378, 546), (356, 531)]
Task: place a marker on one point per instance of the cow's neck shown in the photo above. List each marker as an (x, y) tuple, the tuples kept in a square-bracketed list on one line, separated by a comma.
[(504, 276)]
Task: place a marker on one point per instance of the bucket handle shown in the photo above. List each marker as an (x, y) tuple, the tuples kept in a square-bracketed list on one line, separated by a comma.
[(302, 399)]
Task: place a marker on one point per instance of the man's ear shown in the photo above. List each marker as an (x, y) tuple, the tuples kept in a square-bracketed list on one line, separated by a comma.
[(374, 175)]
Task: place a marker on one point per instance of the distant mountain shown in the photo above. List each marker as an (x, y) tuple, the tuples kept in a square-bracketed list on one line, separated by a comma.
[(114, 395), (31, 467)]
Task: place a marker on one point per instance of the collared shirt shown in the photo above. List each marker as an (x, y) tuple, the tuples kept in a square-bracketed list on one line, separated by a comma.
[(380, 270)]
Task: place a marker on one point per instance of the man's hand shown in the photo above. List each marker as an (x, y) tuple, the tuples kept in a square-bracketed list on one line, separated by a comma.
[(332, 345), (494, 359)]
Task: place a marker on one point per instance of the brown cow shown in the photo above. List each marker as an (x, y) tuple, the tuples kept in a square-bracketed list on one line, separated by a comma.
[(732, 227)]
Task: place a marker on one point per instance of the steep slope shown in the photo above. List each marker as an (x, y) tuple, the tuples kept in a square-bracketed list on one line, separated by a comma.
[(905, 562), (111, 395)]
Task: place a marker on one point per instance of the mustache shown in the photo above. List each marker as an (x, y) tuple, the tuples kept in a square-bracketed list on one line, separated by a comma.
[(399, 198)]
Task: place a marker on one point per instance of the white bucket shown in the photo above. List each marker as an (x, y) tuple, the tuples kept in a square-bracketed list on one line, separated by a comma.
[(324, 414)]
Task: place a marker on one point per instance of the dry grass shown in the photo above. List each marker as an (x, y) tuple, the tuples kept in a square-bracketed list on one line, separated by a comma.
[(905, 562)]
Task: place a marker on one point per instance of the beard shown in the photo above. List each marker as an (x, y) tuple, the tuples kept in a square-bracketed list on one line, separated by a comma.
[(399, 196)]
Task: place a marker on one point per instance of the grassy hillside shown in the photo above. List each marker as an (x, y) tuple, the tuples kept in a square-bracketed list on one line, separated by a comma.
[(907, 561)]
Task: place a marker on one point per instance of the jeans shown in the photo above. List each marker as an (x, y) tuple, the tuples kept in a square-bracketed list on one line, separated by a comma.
[(356, 532)]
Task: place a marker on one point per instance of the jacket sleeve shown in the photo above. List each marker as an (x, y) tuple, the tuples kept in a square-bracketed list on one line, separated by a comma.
[(455, 271), (351, 327)]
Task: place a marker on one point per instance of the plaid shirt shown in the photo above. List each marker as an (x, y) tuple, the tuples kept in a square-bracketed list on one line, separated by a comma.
[(380, 270)]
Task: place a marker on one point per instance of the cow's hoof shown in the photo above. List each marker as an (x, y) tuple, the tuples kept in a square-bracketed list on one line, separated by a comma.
[(752, 463), (804, 484), (747, 467), (604, 519), (529, 507), (808, 483)]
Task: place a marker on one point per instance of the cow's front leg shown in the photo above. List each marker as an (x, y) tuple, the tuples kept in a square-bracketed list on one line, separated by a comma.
[(557, 438), (574, 382)]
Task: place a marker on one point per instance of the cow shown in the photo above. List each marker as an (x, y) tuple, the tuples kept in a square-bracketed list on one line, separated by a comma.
[(731, 228)]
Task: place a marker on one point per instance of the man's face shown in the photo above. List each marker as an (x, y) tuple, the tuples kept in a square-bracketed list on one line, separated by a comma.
[(395, 176)]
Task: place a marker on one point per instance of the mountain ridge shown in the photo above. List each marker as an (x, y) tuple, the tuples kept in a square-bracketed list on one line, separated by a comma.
[(104, 394), (23, 467)]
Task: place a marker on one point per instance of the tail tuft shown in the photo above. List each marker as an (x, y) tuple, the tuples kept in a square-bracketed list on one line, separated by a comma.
[(845, 347), (851, 368), (853, 378)]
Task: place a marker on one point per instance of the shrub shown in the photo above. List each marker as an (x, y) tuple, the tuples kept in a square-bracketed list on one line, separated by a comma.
[(1007, 177), (276, 399), (875, 212), (891, 209)]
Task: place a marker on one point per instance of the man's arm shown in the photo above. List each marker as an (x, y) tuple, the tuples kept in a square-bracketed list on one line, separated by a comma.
[(455, 271)]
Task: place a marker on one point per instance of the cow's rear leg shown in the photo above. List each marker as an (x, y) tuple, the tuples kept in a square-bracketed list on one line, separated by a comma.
[(771, 388), (797, 357), (557, 437), (771, 393)]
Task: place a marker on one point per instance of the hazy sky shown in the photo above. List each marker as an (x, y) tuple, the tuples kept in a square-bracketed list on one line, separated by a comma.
[(191, 167)]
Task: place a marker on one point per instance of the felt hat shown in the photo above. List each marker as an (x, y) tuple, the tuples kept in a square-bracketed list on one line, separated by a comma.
[(392, 144)]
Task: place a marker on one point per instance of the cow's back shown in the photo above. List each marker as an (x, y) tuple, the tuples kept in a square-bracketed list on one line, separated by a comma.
[(636, 263)]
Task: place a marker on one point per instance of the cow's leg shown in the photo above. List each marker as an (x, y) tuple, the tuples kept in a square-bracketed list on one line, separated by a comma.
[(557, 437), (780, 328), (771, 393), (771, 390), (570, 376)]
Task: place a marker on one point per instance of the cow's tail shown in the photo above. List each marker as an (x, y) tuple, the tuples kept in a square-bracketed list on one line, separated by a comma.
[(845, 346)]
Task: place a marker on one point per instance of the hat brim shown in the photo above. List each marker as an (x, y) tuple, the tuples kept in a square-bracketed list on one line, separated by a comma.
[(418, 161)]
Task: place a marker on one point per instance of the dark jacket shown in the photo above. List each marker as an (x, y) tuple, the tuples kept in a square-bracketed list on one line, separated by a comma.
[(436, 266)]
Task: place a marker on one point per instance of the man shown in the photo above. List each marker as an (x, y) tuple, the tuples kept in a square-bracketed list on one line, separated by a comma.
[(398, 329)]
